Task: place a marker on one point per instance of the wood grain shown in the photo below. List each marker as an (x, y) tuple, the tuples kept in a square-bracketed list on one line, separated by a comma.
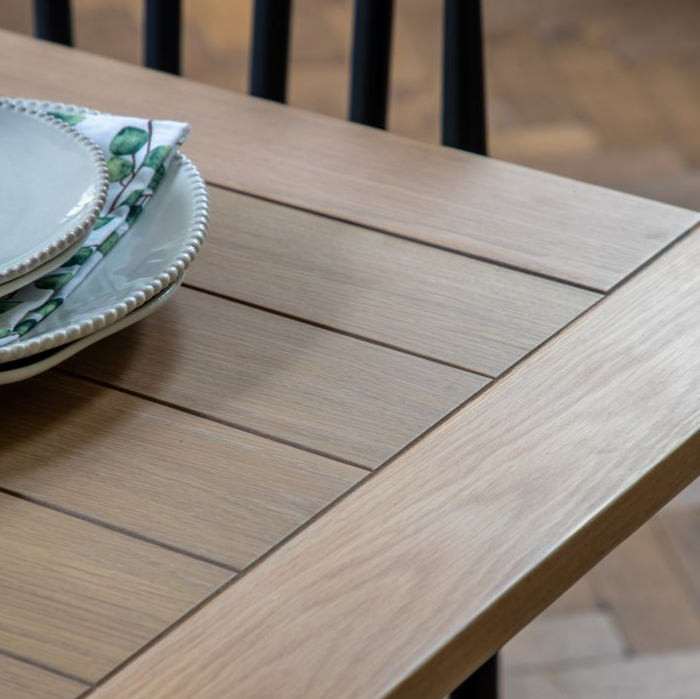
[(579, 598), (200, 487), (81, 599), (667, 675), (590, 637), (434, 303), (514, 59), (689, 499), (432, 565), (602, 91), (629, 580), (675, 85), (480, 206), (293, 381), (680, 538), (19, 680)]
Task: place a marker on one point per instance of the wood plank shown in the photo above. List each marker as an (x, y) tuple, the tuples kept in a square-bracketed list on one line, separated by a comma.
[(687, 500), (546, 141), (312, 387), (674, 87), (415, 60), (658, 172), (319, 55), (539, 685), (679, 188), (480, 206), (434, 303), (680, 530), (204, 488), (564, 640), (112, 33), (484, 521), (605, 91), (19, 680), (515, 57), (615, 168), (80, 598), (631, 579), (667, 676), (578, 598)]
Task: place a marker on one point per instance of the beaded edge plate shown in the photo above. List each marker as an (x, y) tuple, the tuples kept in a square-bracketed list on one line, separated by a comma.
[(155, 253), (41, 216)]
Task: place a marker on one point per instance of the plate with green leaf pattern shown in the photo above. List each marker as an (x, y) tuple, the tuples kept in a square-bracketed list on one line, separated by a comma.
[(155, 253), (53, 183)]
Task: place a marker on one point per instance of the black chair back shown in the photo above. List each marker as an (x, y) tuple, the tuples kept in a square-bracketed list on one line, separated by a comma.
[(52, 21), (463, 95), (371, 54), (162, 35)]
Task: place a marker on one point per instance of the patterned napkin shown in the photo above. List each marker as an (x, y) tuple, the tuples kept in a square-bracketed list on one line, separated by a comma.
[(138, 153)]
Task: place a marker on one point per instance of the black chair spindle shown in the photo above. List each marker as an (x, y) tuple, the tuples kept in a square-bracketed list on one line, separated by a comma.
[(270, 49), (482, 684), (52, 21), (371, 60), (463, 97), (162, 35)]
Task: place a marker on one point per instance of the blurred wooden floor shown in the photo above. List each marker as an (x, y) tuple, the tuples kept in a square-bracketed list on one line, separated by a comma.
[(606, 91)]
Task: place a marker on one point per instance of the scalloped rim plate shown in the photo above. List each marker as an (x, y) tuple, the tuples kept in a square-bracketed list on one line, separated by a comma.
[(41, 270), (55, 194), (154, 254), (10, 374)]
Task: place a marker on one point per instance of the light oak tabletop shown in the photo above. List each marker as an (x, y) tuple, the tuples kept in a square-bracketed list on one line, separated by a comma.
[(413, 395)]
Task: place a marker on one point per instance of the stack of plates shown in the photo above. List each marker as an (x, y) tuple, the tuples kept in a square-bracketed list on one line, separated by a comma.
[(54, 184)]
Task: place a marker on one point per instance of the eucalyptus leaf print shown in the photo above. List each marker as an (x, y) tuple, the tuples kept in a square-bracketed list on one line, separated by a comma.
[(8, 305), (49, 307), (53, 281), (134, 198), (80, 257), (25, 326), (70, 119), (138, 153), (108, 244), (102, 221), (157, 177), (129, 141), (119, 168), (134, 213), (157, 156)]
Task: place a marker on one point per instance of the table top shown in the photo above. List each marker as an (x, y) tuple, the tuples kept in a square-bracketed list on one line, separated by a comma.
[(406, 397)]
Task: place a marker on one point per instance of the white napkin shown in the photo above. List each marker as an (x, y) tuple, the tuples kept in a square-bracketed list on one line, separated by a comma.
[(138, 152)]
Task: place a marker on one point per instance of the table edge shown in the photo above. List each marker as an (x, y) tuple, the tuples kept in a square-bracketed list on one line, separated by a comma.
[(435, 670)]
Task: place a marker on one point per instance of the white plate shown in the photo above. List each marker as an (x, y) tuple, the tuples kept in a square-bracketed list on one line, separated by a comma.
[(26, 368), (46, 268), (154, 253), (53, 184)]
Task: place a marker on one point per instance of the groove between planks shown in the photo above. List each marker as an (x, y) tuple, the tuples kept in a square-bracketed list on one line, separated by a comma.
[(397, 293), (80, 598), (574, 231), (51, 679), (138, 466), (344, 397), (416, 240), (569, 482)]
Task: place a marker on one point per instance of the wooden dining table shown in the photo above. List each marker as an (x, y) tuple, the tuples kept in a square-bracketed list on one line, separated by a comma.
[(406, 397)]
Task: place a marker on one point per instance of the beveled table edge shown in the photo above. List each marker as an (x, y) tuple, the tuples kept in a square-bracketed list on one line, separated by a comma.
[(398, 590)]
